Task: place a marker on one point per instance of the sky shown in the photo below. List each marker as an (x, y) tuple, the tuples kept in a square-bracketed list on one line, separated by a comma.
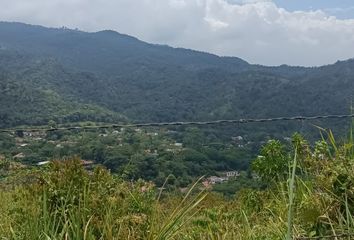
[(268, 32)]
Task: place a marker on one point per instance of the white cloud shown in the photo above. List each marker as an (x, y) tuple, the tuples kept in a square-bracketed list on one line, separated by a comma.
[(255, 30)]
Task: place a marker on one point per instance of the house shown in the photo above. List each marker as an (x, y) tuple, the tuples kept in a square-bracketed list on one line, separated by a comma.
[(34, 134), (237, 139), (43, 163), (27, 134), (214, 180), (232, 174), (152, 134), (83, 162), (178, 144), (161, 189), (86, 162)]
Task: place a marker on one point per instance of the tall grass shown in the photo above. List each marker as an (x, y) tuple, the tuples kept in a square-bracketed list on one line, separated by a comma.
[(64, 201), (291, 190), (180, 216), (69, 203)]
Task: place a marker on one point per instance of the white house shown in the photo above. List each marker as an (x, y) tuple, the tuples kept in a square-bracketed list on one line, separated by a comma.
[(232, 174)]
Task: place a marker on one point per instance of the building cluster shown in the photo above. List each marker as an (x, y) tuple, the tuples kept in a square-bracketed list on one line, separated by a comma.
[(224, 177)]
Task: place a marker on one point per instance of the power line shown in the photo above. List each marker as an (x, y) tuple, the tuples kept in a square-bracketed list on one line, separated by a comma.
[(163, 124)]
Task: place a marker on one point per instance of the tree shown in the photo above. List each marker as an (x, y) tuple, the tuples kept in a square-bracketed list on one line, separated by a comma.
[(273, 163)]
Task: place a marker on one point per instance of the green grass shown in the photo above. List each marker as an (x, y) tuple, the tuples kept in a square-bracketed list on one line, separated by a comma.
[(291, 191), (64, 201)]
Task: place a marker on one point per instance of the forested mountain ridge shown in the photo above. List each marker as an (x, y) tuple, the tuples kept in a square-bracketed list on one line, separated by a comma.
[(104, 51), (116, 73), (32, 93)]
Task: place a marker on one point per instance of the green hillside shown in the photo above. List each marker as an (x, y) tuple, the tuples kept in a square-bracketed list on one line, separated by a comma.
[(147, 82), (31, 94)]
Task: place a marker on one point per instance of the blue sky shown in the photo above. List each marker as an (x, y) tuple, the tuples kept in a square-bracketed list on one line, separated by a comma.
[(317, 4), (340, 8)]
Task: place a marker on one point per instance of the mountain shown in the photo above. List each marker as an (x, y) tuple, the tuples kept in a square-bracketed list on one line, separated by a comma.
[(105, 52), (63, 70), (31, 93)]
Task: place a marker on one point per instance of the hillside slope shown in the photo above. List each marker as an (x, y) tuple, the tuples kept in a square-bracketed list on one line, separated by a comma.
[(149, 82), (31, 93)]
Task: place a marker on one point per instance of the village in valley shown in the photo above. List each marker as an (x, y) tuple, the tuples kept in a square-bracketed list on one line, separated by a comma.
[(39, 148)]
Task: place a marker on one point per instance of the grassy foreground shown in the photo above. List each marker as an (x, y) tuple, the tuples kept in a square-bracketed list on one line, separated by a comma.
[(310, 193)]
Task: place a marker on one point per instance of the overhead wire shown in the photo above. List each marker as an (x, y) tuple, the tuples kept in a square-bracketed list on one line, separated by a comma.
[(191, 123)]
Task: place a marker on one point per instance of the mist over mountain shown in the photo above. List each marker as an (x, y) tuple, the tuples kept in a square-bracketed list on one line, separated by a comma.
[(50, 73)]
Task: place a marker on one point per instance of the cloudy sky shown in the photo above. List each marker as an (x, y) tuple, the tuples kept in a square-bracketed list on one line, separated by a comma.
[(295, 32)]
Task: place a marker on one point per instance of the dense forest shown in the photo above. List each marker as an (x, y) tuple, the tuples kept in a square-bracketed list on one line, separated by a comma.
[(68, 75)]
